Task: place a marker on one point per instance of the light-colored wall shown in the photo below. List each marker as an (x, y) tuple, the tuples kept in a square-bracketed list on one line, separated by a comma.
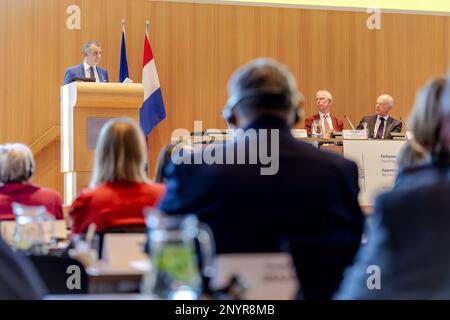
[(196, 47)]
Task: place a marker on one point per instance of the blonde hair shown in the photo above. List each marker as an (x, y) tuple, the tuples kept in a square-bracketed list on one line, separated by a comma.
[(120, 153), (411, 154), (16, 163), (425, 120)]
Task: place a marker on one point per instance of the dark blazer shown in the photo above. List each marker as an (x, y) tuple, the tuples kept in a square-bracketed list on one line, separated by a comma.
[(18, 277), (310, 203), (392, 125), (338, 125), (78, 71), (408, 242)]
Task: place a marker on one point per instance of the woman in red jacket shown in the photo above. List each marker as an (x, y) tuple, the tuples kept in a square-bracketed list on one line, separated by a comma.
[(119, 187), (16, 169)]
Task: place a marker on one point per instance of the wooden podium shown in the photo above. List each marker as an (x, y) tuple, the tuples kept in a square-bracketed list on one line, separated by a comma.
[(85, 107)]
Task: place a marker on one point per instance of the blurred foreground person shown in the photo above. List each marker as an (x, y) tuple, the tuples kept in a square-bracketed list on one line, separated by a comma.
[(265, 190), (18, 278), (407, 256)]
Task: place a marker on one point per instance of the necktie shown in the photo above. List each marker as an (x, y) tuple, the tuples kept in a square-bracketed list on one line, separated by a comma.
[(326, 126), (91, 69), (380, 129)]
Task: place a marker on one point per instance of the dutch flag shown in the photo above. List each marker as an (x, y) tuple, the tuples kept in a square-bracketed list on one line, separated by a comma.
[(152, 110)]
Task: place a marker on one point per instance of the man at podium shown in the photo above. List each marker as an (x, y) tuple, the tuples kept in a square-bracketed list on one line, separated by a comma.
[(88, 70)]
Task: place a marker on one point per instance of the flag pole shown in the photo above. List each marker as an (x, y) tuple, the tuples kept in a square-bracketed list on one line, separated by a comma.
[(147, 26), (123, 24)]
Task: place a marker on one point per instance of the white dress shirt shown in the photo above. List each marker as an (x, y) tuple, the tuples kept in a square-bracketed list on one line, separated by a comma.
[(377, 124), (322, 119), (87, 71)]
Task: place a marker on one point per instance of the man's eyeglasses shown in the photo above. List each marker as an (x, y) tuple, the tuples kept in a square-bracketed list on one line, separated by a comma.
[(320, 99)]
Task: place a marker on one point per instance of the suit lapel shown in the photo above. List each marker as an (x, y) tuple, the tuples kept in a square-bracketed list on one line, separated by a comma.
[(387, 130), (100, 74), (371, 125), (335, 123), (83, 74)]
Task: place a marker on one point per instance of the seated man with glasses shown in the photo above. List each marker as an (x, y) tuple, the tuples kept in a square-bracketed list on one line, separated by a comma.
[(328, 123)]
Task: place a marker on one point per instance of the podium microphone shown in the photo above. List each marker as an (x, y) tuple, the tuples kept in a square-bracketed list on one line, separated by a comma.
[(404, 122), (349, 122)]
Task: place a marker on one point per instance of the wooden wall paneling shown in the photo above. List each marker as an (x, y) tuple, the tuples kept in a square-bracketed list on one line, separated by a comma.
[(197, 47)]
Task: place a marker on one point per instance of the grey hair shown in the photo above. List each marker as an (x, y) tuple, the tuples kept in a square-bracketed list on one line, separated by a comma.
[(16, 163), (387, 98), (88, 44), (426, 116), (260, 77), (325, 93)]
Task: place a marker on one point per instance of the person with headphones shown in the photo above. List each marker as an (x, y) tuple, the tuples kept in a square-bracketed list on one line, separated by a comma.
[(16, 169), (309, 203)]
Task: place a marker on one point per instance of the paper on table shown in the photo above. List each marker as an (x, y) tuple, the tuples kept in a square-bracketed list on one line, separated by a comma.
[(127, 80)]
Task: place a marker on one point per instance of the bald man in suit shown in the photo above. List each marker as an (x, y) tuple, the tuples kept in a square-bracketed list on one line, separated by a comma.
[(381, 125)]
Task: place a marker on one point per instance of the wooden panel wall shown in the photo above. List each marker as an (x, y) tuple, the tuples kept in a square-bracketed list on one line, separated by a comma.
[(196, 47)]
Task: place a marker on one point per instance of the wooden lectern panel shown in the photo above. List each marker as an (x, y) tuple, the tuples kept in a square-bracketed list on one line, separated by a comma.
[(83, 103)]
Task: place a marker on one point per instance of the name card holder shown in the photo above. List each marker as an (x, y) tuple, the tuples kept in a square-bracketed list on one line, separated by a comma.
[(299, 133), (355, 134)]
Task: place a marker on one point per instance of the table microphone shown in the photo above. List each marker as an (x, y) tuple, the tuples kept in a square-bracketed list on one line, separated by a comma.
[(404, 122), (349, 122)]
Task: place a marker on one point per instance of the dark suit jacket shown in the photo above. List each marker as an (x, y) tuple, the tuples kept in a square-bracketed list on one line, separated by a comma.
[(311, 202), (78, 71), (338, 125), (392, 125), (18, 278), (408, 241)]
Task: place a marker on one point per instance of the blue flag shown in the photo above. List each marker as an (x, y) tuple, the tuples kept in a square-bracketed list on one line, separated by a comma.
[(123, 59)]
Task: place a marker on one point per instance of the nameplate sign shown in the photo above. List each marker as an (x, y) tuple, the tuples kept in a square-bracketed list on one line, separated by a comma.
[(299, 133), (355, 134), (377, 165), (267, 276)]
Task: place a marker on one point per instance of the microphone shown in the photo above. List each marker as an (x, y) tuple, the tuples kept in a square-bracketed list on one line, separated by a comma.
[(404, 122), (349, 122)]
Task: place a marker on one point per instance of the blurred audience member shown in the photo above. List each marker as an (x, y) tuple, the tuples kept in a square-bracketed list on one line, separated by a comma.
[(18, 278), (119, 185), (420, 158), (250, 206), (16, 169), (407, 256), (164, 157)]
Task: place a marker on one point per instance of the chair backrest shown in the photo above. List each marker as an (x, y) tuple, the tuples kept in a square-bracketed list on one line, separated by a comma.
[(62, 275), (122, 249), (120, 229)]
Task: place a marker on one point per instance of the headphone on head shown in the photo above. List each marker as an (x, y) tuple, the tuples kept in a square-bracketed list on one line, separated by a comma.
[(235, 99)]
